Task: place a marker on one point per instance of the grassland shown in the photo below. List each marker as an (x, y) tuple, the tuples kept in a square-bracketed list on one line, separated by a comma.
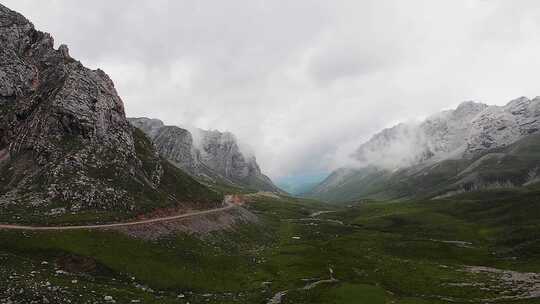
[(362, 252)]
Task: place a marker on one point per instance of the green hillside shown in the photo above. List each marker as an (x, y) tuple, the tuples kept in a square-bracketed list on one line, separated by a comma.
[(370, 252), (176, 189), (508, 167)]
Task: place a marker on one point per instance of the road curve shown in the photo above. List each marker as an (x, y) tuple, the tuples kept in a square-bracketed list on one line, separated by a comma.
[(227, 206)]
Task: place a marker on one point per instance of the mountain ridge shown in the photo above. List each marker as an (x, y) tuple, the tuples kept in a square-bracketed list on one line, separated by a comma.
[(211, 156), (470, 135), (470, 128)]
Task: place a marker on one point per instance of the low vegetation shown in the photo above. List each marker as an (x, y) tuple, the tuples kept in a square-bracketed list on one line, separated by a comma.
[(437, 251)]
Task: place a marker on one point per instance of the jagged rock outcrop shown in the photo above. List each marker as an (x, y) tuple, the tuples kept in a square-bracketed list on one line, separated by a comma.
[(469, 130), (500, 126), (213, 157), (446, 131), (220, 152), (174, 143), (65, 143)]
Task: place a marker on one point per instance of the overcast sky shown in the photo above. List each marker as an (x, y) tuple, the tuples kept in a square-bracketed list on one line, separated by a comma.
[(301, 82)]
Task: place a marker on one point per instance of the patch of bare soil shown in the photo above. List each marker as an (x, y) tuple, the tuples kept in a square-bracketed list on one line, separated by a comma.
[(508, 284), (4, 155), (235, 199), (163, 212), (77, 264)]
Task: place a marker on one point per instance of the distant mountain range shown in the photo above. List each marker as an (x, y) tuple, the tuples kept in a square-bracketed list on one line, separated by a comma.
[(474, 146), (210, 156)]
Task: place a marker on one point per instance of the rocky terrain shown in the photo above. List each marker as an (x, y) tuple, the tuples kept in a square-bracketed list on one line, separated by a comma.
[(65, 143), (471, 129), (213, 156), (458, 150)]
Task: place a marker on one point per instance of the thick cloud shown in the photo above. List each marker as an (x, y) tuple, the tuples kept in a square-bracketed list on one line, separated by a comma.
[(302, 82)]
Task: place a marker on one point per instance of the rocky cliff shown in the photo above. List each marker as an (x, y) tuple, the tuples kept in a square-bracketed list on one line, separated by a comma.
[(213, 157), (65, 143)]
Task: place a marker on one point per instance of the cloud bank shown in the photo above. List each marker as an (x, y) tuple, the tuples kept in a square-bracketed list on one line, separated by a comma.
[(303, 83)]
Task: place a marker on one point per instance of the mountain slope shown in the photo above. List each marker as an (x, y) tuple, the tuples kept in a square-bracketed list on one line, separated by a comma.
[(210, 156), (470, 129), (66, 146), (473, 147)]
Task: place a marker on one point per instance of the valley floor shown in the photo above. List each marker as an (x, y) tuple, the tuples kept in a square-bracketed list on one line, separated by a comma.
[(478, 248)]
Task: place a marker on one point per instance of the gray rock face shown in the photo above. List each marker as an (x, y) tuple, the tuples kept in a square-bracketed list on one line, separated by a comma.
[(147, 125), (446, 131), (469, 130), (220, 152), (173, 143), (61, 126), (500, 126), (176, 144), (213, 157)]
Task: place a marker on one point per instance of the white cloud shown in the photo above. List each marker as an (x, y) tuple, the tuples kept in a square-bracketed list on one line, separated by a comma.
[(301, 82)]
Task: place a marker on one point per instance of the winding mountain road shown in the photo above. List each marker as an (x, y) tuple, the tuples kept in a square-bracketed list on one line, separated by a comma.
[(227, 203)]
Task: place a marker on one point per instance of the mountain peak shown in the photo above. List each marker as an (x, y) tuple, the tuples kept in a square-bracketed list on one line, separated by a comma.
[(212, 156), (470, 106), (148, 125), (518, 104), (469, 129)]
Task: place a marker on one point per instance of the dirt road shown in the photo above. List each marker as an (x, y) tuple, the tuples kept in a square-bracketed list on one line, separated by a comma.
[(227, 203)]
